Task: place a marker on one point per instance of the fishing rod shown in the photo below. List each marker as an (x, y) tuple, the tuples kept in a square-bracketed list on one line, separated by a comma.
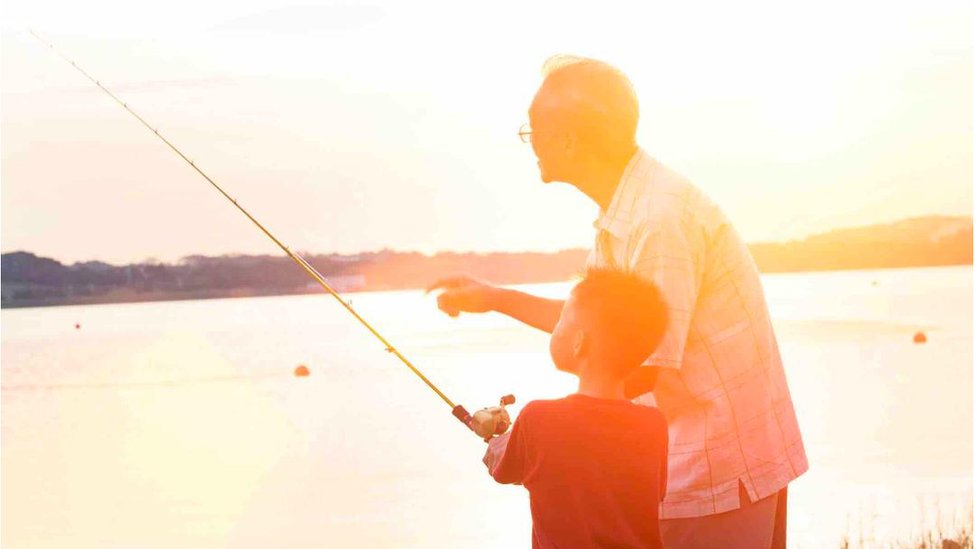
[(457, 410)]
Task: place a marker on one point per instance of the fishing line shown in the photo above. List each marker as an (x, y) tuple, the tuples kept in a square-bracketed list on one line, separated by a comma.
[(457, 410)]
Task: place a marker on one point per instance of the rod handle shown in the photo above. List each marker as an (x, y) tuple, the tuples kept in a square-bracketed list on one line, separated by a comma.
[(462, 415)]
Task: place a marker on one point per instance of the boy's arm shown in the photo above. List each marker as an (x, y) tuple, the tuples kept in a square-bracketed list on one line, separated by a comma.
[(495, 451), (506, 454)]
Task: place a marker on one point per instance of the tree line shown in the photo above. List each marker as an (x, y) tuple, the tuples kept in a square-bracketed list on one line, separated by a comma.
[(29, 280)]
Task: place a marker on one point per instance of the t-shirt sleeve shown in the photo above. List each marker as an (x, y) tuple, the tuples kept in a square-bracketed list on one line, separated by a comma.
[(670, 256), (510, 468)]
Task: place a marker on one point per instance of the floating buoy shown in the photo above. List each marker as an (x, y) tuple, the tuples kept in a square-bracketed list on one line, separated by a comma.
[(77, 326), (920, 337), (301, 371)]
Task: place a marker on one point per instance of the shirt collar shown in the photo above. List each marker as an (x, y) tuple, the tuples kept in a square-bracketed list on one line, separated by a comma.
[(616, 218)]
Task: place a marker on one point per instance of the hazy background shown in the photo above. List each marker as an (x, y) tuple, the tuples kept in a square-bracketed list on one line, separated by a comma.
[(359, 126), (180, 424)]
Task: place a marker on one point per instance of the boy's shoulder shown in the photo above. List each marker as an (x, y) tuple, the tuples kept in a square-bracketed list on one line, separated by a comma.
[(578, 413), (544, 407), (539, 410), (539, 407)]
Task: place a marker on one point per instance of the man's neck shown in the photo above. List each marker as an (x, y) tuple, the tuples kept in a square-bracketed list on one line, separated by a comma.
[(601, 180), (600, 386)]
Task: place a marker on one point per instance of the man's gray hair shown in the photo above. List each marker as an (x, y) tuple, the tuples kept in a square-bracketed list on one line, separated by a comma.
[(561, 60), (597, 99)]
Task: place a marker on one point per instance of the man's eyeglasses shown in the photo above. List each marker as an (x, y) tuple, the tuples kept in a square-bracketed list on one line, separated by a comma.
[(525, 133)]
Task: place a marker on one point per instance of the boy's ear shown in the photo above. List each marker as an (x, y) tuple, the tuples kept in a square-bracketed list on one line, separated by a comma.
[(581, 344)]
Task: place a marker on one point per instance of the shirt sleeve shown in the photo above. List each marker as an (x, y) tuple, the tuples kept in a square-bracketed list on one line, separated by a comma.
[(671, 256), (506, 454)]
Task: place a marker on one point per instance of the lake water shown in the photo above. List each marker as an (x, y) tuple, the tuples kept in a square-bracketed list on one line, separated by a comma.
[(180, 424)]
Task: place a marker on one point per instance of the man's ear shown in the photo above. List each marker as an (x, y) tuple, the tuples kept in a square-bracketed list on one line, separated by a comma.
[(570, 144)]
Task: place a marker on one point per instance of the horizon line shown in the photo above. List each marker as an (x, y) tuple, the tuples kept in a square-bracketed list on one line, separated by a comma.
[(473, 252)]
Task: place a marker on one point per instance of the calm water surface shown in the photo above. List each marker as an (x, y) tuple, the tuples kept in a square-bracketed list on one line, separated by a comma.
[(181, 425)]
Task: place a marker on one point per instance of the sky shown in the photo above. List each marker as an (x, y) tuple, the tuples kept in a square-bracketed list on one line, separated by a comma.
[(348, 127)]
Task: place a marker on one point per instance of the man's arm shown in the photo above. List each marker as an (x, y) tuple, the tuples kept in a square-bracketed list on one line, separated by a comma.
[(672, 257), (641, 381), (463, 293)]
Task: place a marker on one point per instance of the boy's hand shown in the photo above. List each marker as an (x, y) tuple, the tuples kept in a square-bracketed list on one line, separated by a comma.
[(489, 422)]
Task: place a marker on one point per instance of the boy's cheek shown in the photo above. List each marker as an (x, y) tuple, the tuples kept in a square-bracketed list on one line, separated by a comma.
[(559, 357)]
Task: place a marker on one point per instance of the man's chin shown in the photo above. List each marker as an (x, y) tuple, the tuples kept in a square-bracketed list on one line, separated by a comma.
[(542, 173), (545, 177), (548, 177)]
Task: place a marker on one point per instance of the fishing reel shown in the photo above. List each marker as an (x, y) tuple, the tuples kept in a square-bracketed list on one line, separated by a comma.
[(487, 420)]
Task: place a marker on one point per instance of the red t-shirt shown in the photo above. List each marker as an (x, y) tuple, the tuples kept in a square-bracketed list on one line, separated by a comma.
[(595, 469)]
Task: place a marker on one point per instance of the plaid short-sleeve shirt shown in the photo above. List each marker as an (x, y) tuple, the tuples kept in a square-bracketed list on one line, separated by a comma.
[(722, 384)]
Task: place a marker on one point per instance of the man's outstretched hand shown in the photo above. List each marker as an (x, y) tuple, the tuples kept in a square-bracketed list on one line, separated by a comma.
[(463, 293)]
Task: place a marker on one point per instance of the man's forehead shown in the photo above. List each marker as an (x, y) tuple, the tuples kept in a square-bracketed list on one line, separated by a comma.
[(555, 102), (547, 104), (541, 103)]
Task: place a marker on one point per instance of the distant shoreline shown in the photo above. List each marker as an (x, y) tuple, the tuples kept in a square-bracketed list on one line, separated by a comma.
[(33, 281), (132, 296)]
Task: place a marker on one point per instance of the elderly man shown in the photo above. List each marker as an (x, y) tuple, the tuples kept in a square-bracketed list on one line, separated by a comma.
[(717, 375)]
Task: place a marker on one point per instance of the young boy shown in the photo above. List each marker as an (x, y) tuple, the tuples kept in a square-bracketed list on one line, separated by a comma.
[(595, 464)]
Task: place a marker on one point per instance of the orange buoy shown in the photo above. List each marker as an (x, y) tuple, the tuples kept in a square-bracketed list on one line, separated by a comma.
[(920, 337), (301, 371)]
